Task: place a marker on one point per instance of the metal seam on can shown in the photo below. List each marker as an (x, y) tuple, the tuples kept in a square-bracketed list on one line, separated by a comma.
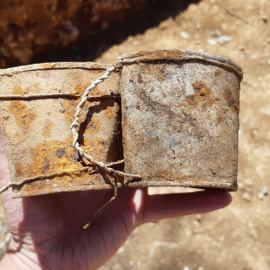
[(131, 58)]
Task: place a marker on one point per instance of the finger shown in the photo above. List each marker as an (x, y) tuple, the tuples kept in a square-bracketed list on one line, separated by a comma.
[(159, 207)]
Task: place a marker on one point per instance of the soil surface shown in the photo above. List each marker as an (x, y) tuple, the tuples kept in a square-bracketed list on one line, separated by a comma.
[(236, 237)]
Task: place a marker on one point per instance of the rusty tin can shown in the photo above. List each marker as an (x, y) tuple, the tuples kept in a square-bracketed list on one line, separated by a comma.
[(180, 121), (37, 106)]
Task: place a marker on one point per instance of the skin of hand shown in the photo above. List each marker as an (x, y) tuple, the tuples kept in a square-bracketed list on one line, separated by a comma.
[(47, 230)]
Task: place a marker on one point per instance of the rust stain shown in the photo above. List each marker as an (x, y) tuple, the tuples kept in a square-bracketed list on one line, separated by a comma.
[(96, 68), (19, 170), (156, 55), (69, 110), (167, 175), (232, 104), (93, 126), (53, 156), (217, 73), (64, 182), (33, 88), (23, 116), (140, 80), (157, 71), (80, 88), (202, 93), (109, 113), (47, 130), (162, 74), (17, 90), (96, 147)]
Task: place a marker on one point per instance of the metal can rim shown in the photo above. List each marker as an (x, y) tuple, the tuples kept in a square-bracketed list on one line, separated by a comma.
[(179, 55), (54, 65)]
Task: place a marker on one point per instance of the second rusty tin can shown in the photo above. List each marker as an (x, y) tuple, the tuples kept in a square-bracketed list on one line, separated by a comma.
[(180, 119)]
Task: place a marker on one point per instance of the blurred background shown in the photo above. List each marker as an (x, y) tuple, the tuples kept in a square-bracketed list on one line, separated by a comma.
[(87, 30)]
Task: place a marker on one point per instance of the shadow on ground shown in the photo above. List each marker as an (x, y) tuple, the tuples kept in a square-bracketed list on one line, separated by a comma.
[(92, 46)]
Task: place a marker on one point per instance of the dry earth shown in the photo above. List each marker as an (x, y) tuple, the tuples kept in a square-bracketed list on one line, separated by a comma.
[(236, 237)]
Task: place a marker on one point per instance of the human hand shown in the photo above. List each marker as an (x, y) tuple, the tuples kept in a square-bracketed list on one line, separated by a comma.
[(47, 230)]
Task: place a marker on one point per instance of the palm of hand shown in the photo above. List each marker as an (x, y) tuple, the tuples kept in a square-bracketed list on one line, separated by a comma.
[(52, 226), (47, 230)]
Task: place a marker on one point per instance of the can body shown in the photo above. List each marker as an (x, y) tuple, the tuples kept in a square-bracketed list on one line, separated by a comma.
[(180, 119), (36, 129)]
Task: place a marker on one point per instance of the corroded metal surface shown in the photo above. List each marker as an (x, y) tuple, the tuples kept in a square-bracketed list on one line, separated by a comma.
[(36, 131), (180, 119)]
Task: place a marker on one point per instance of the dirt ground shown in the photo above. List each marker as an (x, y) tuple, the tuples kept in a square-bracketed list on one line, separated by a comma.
[(236, 237)]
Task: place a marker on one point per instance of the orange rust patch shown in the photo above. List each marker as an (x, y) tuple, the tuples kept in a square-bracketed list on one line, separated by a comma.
[(95, 147), (17, 90), (157, 71), (19, 170), (69, 110), (202, 93), (93, 126), (217, 73), (67, 182), (80, 88), (51, 157), (154, 55), (162, 74), (47, 130), (33, 88), (167, 175), (23, 116), (109, 113), (56, 156)]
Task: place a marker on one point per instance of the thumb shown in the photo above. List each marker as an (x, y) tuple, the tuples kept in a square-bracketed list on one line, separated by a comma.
[(159, 207)]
